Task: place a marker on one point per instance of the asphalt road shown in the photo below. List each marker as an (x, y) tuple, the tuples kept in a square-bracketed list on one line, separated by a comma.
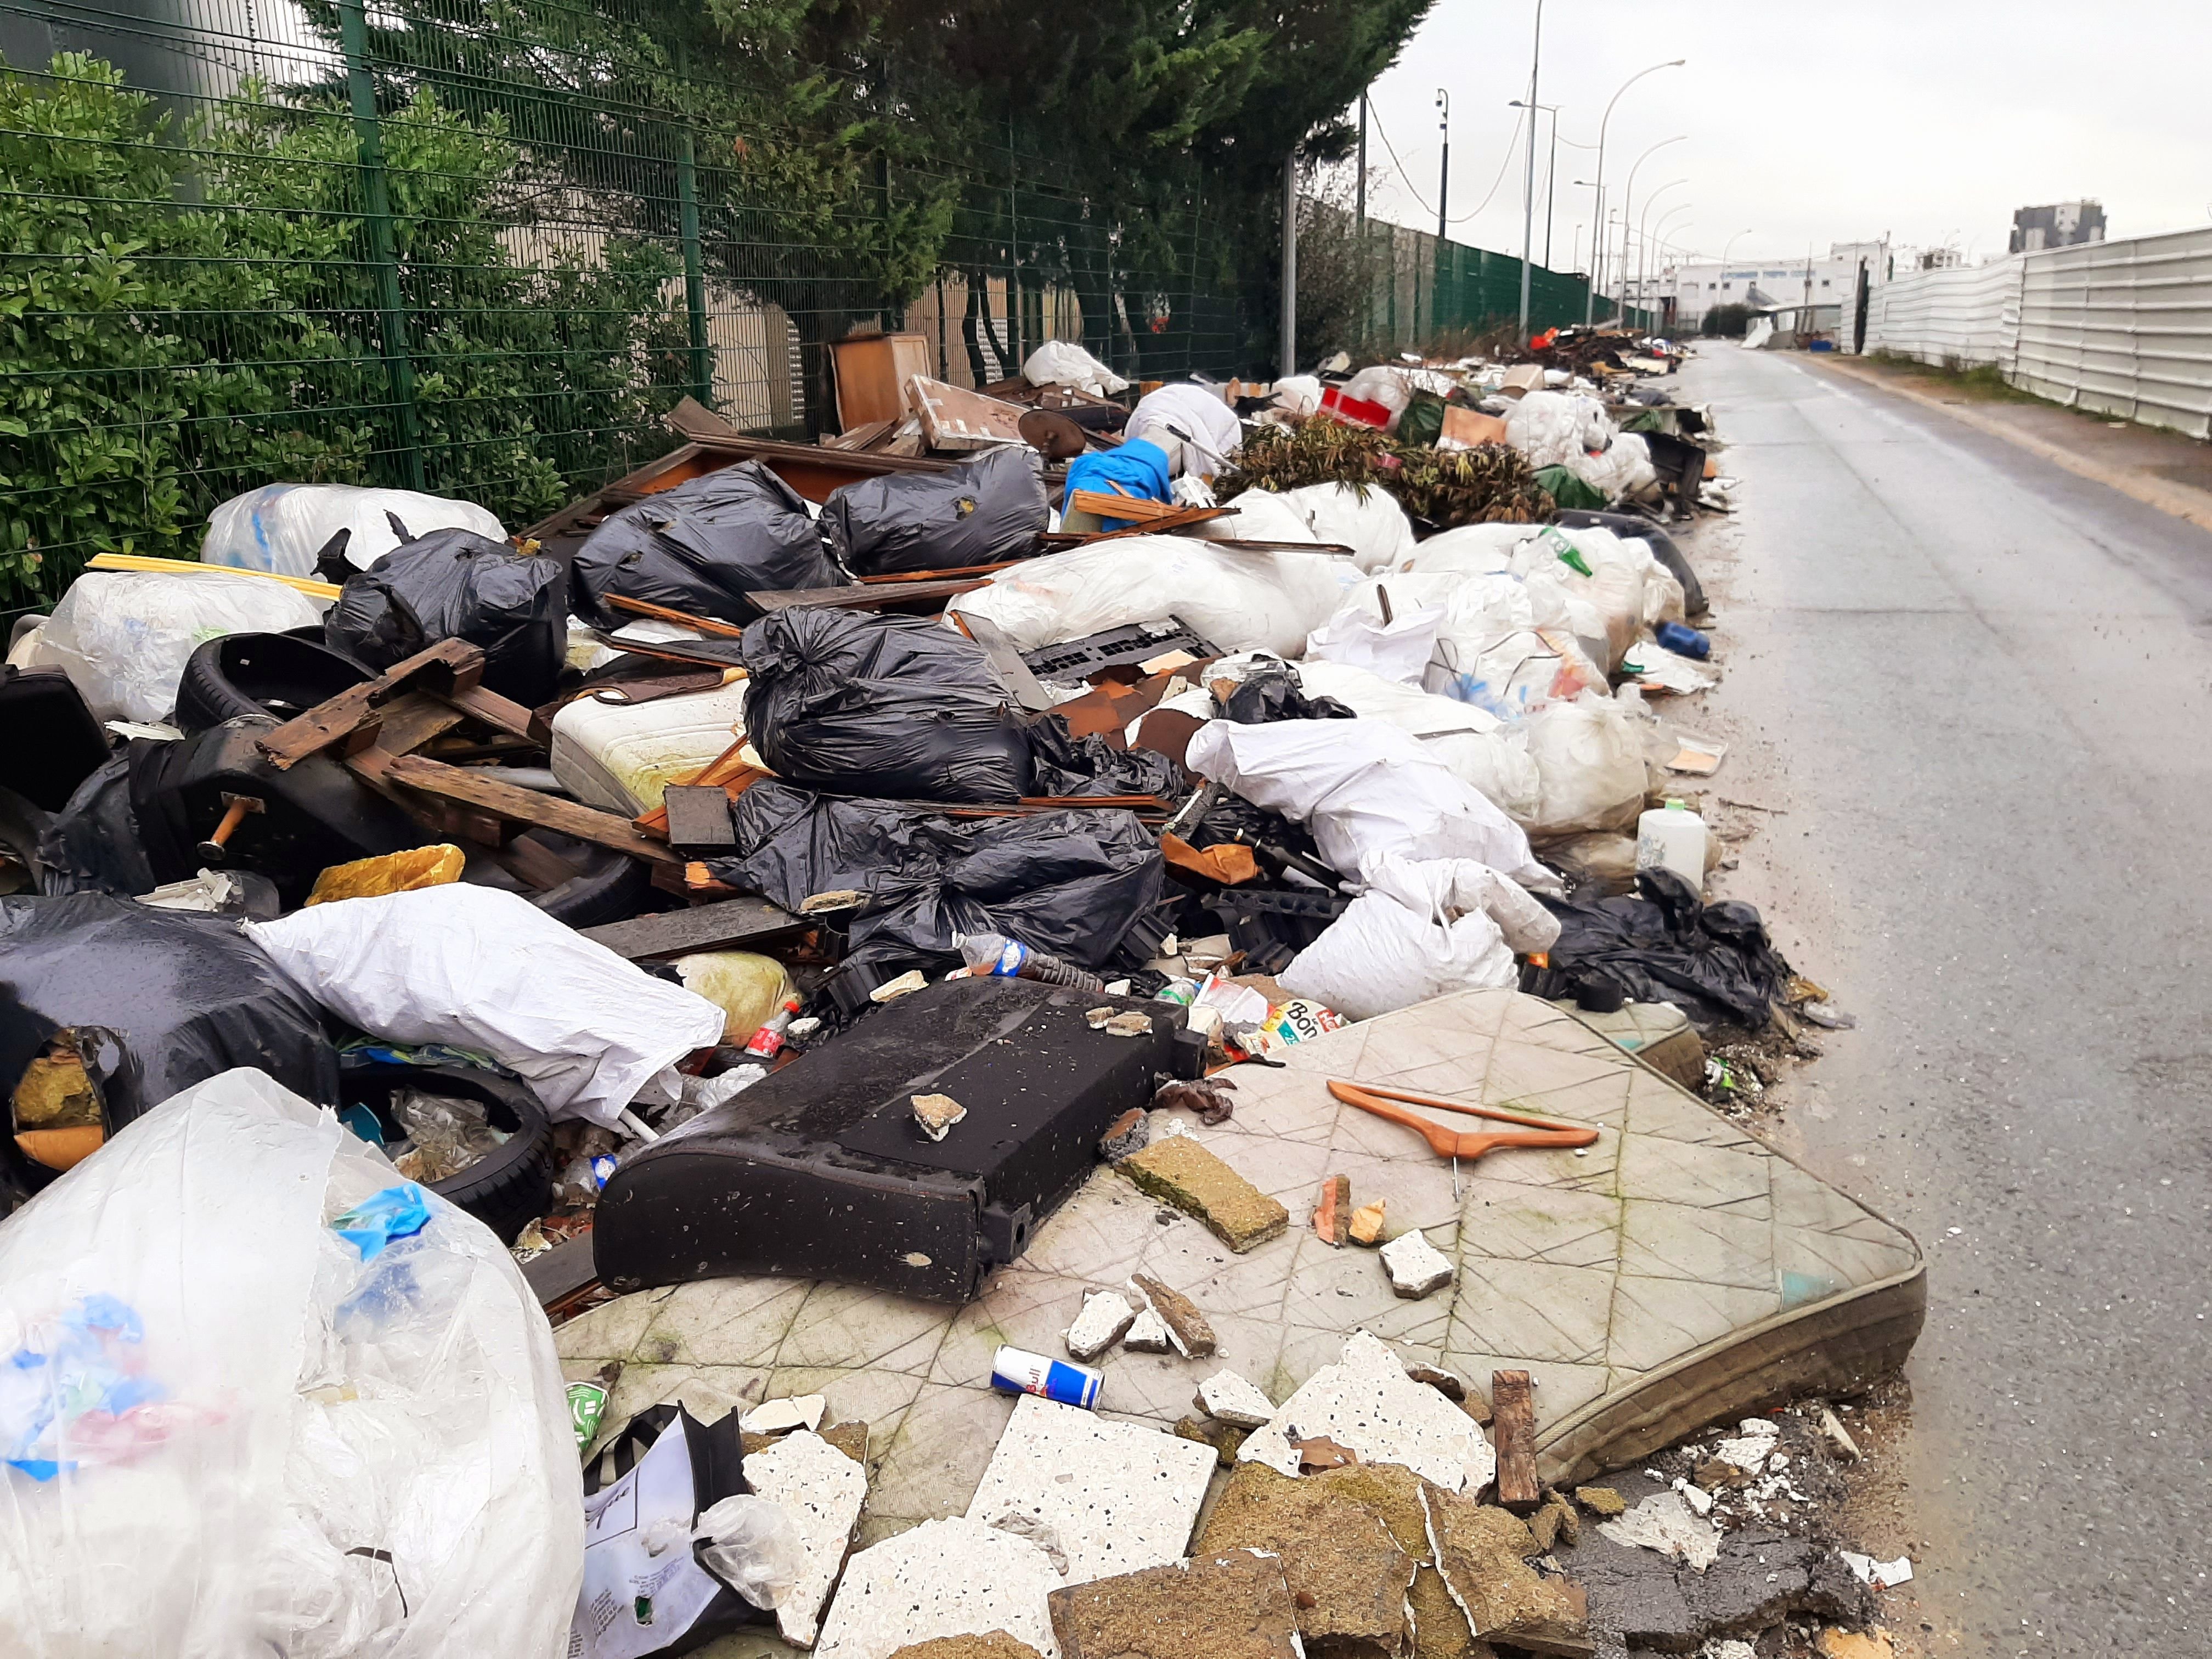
[(1980, 690)]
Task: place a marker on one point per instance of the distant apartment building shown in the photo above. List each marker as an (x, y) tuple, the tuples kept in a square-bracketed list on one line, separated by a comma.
[(2062, 224)]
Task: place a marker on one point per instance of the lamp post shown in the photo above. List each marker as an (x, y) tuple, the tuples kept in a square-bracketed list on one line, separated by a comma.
[(1443, 167), (1628, 196), (1658, 239), (1642, 238), (1598, 183), (1551, 169), (1528, 171)]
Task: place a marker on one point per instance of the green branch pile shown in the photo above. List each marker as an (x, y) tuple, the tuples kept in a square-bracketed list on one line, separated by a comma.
[(1490, 483)]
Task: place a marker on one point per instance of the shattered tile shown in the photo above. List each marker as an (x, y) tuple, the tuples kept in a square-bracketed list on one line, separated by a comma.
[(1188, 1328), (1448, 1383), (1665, 1523), (1234, 1399), (1367, 1401), (1368, 1222), (822, 1490), (1106, 1314), (1180, 1172), (1119, 1497), (1415, 1266), (1233, 1604), (950, 1577), (1482, 1552), (1332, 1216), (1148, 1333), (1347, 1574), (935, 1114), (776, 1416)]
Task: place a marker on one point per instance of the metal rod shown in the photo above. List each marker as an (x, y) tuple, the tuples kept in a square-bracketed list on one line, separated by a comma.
[(384, 247), (695, 277), (1528, 173), (1289, 342)]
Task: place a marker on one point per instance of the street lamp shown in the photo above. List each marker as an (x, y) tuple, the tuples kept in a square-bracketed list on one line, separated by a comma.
[(1657, 237), (1598, 185), (1643, 231), (1528, 170), (1628, 196), (1551, 170), (1443, 167)]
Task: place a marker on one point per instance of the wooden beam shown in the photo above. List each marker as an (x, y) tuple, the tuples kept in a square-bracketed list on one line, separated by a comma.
[(486, 794), (448, 669), (861, 596), (711, 625), (1111, 504), (1513, 1431), (728, 925)]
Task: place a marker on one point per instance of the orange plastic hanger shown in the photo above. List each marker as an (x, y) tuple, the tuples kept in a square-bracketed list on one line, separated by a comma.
[(1449, 1143)]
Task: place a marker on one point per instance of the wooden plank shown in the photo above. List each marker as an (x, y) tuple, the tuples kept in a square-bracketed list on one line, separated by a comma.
[(861, 596), (447, 667), (728, 925), (414, 718), (957, 573), (953, 417), (698, 819), (536, 863), (728, 771), (501, 713), (666, 613), (1112, 504), (1513, 1431), (504, 800)]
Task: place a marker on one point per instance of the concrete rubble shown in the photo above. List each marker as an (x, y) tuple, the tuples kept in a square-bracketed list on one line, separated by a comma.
[(1367, 1403), (898, 1593)]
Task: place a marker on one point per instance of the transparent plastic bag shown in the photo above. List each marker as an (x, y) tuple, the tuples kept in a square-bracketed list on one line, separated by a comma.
[(239, 1430), (122, 636), (1589, 756), (282, 527), (751, 1546)]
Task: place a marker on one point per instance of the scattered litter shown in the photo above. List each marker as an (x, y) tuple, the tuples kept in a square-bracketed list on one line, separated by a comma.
[(1131, 1023), (778, 1416), (1017, 1371), (1332, 1216), (1833, 1427), (1665, 1522), (1368, 1222), (1887, 1574), (1207, 1097)]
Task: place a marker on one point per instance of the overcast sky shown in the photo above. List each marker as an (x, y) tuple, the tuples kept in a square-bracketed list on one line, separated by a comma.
[(1928, 119)]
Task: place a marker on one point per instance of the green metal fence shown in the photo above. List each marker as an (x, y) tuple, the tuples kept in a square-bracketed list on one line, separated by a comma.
[(479, 247), (1421, 289)]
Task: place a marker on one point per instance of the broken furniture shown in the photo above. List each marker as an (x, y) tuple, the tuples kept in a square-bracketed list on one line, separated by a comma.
[(821, 1171)]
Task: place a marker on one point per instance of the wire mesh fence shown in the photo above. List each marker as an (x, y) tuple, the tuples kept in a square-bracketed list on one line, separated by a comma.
[(479, 249)]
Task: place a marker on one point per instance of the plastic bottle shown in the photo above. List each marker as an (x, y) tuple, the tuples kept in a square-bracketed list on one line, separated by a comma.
[(1004, 959), (768, 1042), (1683, 640), (1673, 837)]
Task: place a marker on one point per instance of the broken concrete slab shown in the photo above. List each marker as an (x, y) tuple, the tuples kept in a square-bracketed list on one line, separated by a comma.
[(935, 1114), (1148, 1333), (1120, 1496), (1347, 1574), (1758, 1438), (1234, 1399), (949, 1577), (780, 1416), (1188, 1328), (1482, 1551), (1416, 1266), (1225, 1605), (995, 1645), (1367, 1402), (1665, 1523), (1368, 1222), (1224, 1437), (1180, 1172), (822, 1490), (1332, 1216), (1105, 1317), (1554, 1524), (1760, 1576), (1601, 1500), (1448, 1383)]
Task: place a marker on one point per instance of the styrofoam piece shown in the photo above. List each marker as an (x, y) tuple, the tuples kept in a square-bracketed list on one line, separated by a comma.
[(1749, 1450), (1120, 1496), (621, 756), (1665, 1522), (1105, 1316), (822, 1490), (776, 1416), (1235, 1399), (949, 1577), (1367, 1404)]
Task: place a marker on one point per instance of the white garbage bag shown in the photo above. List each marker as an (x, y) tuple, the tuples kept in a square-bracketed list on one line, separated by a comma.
[(1383, 385), (1516, 673), (261, 1396), (283, 526), (1236, 600), (1479, 749), (1622, 469), (1063, 362), (1195, 417), (123, 636), (1472, 550), (1422, 929), (1556, 428), (1398, 650), (1259, 516), (1369, 522), (1298, 394), (484, 969), (1364, 787), (1590, 756)]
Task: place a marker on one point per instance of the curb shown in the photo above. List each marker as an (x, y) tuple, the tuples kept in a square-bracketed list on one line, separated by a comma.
[(2176, 500)]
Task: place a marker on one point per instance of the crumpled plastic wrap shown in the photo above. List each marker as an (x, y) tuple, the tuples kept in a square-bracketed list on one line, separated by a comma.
[(256, 1400), (282, 527), (123, 636)]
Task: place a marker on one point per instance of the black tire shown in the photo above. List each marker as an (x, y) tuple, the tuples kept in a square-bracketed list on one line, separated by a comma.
[(615, 890), (279, 675), (511, 1185)]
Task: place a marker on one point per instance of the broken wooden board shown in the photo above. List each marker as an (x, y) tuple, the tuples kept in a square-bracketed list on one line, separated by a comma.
[(955, 418), (1513, 1432), (729, 924), (349, 720), (486, 794), (873, 596)]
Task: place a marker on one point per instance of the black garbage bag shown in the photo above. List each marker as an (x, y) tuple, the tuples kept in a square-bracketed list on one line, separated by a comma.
[(1663, 943), (895, 707), (184, 996), (457, 584), (991, 509), (1064, 765), (1275, 693), (1070, 884), (702, 547)]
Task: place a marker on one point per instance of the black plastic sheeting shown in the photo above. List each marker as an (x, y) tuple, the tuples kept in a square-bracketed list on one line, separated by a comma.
[(881, 706), (991, 509), (1662, 944), (1070, 883), (1064, 765), (702, 547), (1276, 694), (457, 584), (185, 997)]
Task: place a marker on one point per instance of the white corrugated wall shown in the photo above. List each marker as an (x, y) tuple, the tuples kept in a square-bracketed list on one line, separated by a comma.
[(1963, 316)]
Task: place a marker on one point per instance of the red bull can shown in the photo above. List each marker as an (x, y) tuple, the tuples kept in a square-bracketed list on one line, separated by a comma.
[(1017, 1371)]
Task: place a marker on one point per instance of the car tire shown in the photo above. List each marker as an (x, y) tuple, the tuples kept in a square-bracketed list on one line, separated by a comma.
[(510, 1186), (278, 675)]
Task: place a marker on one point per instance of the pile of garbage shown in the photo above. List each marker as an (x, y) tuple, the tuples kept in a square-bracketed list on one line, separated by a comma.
[(393, 904)]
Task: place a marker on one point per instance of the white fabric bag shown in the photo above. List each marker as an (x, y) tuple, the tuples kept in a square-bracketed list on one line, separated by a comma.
[(123, 636), (283, 526)]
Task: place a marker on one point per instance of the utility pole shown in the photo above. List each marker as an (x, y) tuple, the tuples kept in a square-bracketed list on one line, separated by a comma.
[(1528, 171), (1359, 221), (1443, 167), (1598, 183), (1290, 353)]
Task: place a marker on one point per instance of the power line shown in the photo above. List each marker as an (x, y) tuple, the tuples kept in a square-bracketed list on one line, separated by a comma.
[(1407, 178)]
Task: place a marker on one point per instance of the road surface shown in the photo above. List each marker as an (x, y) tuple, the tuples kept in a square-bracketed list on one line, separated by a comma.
[(1980, 688)]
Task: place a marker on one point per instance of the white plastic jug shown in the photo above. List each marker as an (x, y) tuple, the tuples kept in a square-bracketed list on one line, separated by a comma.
[(1673, 837)]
